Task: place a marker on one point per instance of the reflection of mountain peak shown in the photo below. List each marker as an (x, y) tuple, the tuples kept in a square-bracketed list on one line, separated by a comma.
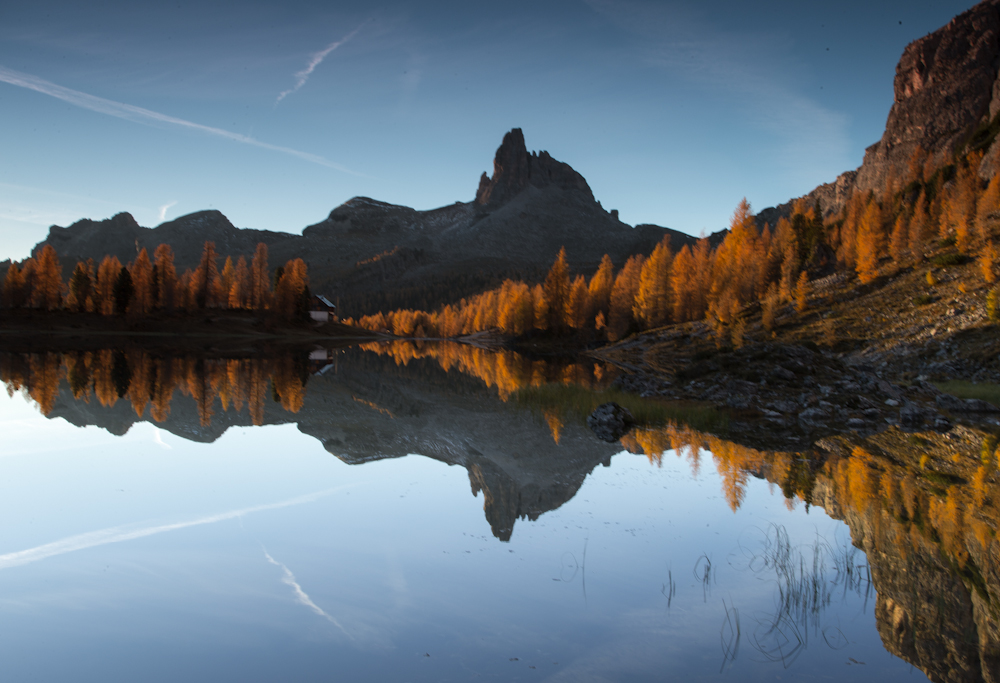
[(366, 406), (505, 500)]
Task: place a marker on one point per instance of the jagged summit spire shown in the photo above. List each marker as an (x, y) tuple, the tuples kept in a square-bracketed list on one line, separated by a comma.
[(514, 169)]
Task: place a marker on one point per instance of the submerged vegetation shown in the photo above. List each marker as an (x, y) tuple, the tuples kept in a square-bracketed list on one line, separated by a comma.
[(571, 400)]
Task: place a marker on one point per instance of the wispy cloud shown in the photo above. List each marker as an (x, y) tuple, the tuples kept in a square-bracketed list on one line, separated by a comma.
[(148, 117), (120, 534), (317, 58), (301, 596), (166, 207)]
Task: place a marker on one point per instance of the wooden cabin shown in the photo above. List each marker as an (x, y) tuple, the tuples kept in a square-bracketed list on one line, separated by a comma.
[(321, 309)]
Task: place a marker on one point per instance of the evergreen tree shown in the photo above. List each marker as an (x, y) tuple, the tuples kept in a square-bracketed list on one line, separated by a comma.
[(79, 288), (124, 291)]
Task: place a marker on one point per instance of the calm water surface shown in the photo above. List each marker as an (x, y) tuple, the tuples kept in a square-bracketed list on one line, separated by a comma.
[(403, 523)]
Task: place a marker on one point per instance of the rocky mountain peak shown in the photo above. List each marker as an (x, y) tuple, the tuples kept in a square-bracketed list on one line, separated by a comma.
[(946, 101), (946, 87), (514, 169)]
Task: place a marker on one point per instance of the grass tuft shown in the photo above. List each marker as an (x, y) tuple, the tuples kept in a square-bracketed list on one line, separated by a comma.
[(963, 389), (580, 402)]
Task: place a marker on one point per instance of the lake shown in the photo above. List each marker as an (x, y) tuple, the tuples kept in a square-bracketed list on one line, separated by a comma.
[(438, 513)]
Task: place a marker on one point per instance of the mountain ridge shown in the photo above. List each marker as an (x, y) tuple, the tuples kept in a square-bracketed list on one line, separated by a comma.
[(375, 255)]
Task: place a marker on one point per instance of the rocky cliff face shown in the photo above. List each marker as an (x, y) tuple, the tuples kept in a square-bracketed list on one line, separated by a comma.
[(945, 88), (946, 95), (935, 608)]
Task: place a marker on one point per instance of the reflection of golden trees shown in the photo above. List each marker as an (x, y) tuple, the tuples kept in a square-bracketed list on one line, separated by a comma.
[(149, 382), (506, 370), (951, 501), (555, 424), (734, 462)]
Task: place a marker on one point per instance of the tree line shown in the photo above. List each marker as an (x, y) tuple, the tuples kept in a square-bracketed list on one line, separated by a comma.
[(929, 207), (146, 285)]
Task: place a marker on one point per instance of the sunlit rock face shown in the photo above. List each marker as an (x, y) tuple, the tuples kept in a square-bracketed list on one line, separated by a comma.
[(945, 86), (946, 93)]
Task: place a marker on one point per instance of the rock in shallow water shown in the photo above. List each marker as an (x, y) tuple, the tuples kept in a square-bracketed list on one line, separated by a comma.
[(610, 421)]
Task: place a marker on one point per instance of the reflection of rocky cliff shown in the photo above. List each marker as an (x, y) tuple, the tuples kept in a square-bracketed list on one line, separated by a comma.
[(929, 611), (366, 407), (936, 570), (372, 409), (924, 509)]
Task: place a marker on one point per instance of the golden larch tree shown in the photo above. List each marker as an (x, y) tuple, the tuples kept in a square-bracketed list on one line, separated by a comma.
[(260, 279), (900, 240), (578, 308), (921, 228), (107, 275), (600, 286), (14, 287), (291, 289), (226, 279), (653, 303), (205, 280), (623, 297), (48, 285), (165, 277), (142, 282), (557, 291), (870, 242), (239, 293)]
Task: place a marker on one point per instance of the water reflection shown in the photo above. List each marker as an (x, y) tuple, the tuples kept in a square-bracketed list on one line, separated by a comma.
[(368, 403), (923, 508), (146, 380)]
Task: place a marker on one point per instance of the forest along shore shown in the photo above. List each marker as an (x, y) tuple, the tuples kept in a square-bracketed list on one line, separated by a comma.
[(30, 331), (858, 359)]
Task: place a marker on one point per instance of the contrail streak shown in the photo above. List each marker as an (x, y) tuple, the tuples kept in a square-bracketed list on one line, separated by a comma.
[(302, 76), (301, 596), (145, 116), (119, 534)]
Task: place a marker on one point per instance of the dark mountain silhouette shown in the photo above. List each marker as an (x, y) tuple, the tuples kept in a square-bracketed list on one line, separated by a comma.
[(374, 255)]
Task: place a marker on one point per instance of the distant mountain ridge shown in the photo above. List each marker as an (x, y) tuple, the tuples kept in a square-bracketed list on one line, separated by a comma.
[(373, 255)]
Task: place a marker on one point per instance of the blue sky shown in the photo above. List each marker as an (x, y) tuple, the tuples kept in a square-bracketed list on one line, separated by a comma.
[(673, 111)]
